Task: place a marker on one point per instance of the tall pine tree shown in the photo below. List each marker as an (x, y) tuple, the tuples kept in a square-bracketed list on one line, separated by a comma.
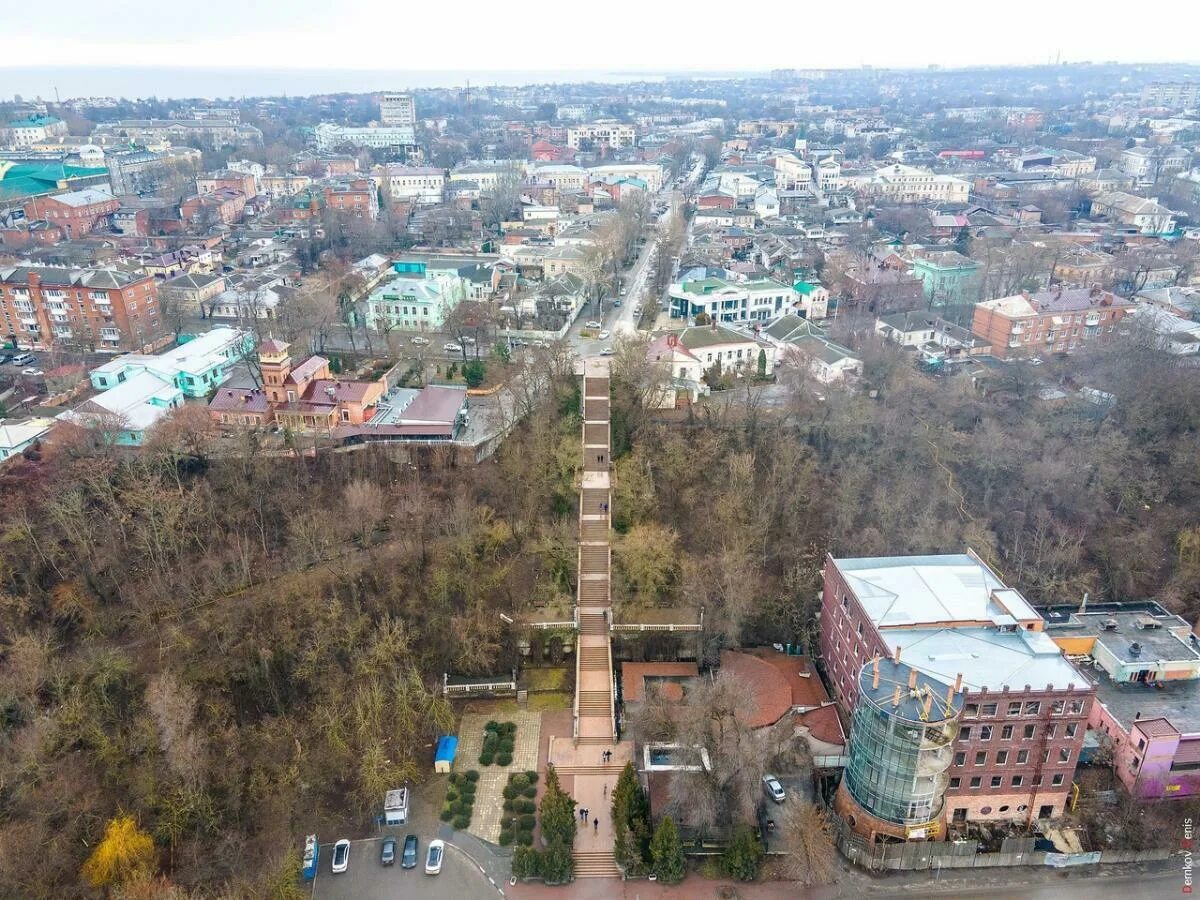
[(666, 853), (631, 823)]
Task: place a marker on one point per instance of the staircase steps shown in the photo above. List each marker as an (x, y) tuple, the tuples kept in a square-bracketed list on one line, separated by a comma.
[(596, 741), (594, 531), (595, 387), (593, 559), (595, 409), (593, 624), (595, 433), (589, 770), (595, 864), (595, 703), (593, 657)]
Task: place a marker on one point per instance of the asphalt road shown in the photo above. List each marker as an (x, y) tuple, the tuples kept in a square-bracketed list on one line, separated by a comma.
[(366, 879)]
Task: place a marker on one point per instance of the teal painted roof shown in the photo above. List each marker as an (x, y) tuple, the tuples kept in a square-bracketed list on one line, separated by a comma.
[(804, 287), (19, 180), (34, 122)]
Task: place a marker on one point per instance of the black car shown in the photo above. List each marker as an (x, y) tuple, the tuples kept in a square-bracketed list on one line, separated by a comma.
[(408, 860), (387, 855)]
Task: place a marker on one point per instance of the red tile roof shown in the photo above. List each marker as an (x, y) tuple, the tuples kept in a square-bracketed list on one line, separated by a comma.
[(239, 400), (801, 674), (271, 345), (633, 677), (772, 695), (319, 391), (824, 725), (307, 370)]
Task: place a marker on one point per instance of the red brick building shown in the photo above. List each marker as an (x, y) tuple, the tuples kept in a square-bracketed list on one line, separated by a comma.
[(88, 308), (223, 206), (76, 212), (1057, 321), (1025, 709), (229, 181), (358, 198)]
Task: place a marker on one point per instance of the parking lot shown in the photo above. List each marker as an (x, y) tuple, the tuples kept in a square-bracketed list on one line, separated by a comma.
[(366, 879)]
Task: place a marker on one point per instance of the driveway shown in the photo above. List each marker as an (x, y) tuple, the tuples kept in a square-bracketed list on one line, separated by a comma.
[(366, 879)]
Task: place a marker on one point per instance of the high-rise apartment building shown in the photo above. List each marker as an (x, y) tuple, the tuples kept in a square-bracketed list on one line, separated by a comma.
[(397, 109)]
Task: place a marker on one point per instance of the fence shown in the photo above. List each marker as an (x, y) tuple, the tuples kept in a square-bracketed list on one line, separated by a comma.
[(931, 855), (482, 687)]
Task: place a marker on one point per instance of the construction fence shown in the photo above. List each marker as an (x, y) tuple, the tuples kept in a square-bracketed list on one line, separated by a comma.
[(937, 855)]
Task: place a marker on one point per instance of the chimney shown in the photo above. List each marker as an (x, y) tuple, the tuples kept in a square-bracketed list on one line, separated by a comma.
[(875, 673), (928, 704), (949, 697), (1083, 605), (958, 683), (896, 655), (896, 696), (912, 679)]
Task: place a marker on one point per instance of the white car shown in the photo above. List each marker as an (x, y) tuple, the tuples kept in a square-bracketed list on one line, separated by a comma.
[(32, 372), (467, 339), (773, 789), (604, 335), (452, 348), (419, 341), (433, 859), (592, 324), (341, 856), (607, 351)]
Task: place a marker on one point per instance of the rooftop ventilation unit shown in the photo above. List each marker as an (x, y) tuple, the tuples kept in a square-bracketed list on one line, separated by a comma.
[(1108, 625)]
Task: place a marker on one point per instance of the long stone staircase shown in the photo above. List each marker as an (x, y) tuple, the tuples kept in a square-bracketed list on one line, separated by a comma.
[(595, 721)]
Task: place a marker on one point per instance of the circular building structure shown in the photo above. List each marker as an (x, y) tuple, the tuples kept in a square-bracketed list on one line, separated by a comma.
[(901, 737)]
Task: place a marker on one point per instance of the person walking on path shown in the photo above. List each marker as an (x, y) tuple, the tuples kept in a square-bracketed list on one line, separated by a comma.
[(596, 826), (605, 789)]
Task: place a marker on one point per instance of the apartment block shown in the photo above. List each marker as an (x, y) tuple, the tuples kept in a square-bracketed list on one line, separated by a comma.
[(89, 308)]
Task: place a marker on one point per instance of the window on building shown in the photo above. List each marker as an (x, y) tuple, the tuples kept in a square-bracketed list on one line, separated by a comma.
[(1029, 731), (1018, 780), (964, 733), (1057, 780), (981, 758), (1006, 733), (960, 759), (1057, 707), (1014, 708), (997, 781), (1032, 708), (1064, 754), (1002, 758), (1072, 730), (985, 733), (955, 783), (1022, 757), (1075, 707), (1051, 730), (976, 782), (988, 709)]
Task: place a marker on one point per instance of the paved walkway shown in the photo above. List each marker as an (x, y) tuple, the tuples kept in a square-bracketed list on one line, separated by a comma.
[(489, 792)]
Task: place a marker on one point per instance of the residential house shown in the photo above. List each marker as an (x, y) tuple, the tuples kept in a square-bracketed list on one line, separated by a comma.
[(679, 373), (803, 344), (1147, 216), (357, 197), (731, 351), (188, 294), (792, 173), (1057, 321), (604, 134), (18, 435), (35, 130), (77, 213), (650, 173), (196, 367), (812, 297), (129, 410), (280, 187), (1147, 163), (936, 340), (327, 136), (1170, 332), (1010, 736), (948, 278), (1182, 301)]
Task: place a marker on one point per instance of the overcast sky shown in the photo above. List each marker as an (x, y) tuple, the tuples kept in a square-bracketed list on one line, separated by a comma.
[(612, 35)]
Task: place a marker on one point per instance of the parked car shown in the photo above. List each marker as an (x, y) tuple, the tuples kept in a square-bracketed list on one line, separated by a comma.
[(433, 860), (408, 859), (592, 324), (387, 852), (607, 351), (22, 359), (341, 856), (32, 373), (604, 335), (617, 302), (452, 348), (419, 341), (773, 789), (467, 339)]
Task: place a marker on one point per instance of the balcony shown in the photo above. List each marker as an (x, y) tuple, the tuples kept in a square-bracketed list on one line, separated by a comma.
[(1017, 328), (1092, 320)]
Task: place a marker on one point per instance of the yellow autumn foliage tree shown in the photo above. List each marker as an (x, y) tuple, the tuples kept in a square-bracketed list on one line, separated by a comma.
[(125, 852)]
